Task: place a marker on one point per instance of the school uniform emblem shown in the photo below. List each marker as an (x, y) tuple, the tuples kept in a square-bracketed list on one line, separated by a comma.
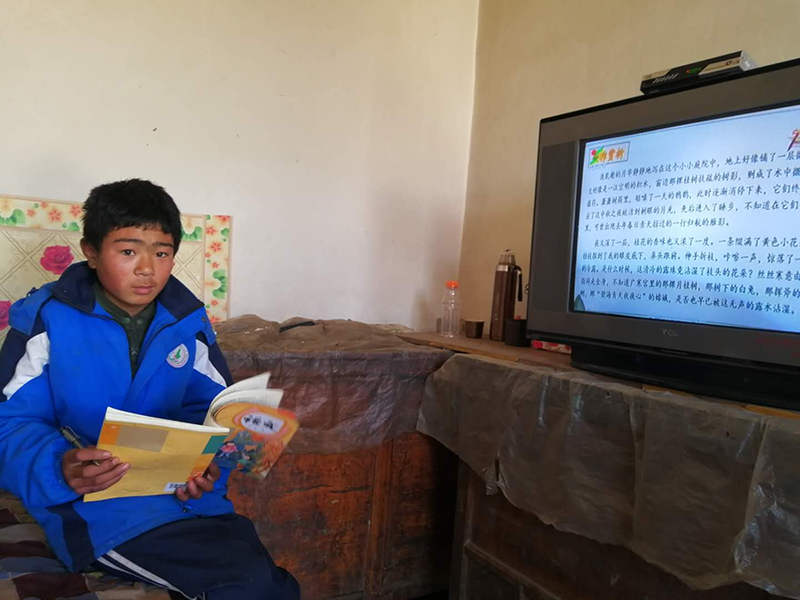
[(178, 357)]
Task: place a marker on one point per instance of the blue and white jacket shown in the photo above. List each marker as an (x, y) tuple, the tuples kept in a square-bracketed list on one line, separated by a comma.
[(64, 361)]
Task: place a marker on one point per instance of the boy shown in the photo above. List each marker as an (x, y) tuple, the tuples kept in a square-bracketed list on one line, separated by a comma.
[(103, 335)]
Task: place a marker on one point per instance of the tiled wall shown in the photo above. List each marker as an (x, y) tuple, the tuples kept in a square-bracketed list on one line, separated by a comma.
[(39, 239)]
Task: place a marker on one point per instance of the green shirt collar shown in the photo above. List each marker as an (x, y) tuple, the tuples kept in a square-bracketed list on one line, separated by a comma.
[(135, 327), (122, 316)]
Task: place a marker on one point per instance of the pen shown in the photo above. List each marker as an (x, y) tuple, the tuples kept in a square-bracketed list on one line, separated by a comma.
[(75, 440)]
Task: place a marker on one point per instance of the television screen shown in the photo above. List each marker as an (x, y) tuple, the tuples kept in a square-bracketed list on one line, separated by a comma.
[(666, 236), (694, 223)]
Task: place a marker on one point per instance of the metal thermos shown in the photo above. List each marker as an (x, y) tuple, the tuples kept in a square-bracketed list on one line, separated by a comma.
[(506, 291)]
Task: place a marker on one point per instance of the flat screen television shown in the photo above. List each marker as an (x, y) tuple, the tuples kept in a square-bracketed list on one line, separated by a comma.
[(666, 237)]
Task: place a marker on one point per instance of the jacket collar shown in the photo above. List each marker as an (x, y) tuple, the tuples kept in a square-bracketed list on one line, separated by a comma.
[(74, 287)]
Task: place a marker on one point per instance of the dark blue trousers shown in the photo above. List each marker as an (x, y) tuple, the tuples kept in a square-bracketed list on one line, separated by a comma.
[(215, 558)]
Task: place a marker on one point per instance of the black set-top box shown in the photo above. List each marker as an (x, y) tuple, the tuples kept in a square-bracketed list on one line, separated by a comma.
[(691, 74)]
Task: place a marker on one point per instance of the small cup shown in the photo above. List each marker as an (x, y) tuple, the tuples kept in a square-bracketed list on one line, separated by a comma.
[(473, 329)]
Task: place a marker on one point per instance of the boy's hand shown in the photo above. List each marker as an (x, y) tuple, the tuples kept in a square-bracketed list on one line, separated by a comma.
[(195, 488), (84, 477)]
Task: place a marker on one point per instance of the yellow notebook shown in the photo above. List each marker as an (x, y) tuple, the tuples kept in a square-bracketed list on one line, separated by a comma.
[(244, 428)]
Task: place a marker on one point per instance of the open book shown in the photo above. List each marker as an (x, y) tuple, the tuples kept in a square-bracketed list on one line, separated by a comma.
[(243, 430)]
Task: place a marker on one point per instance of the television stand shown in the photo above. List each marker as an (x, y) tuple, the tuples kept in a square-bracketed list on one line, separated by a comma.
[(748, 382)]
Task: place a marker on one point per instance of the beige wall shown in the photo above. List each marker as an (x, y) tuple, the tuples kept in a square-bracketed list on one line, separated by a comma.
[(336, 132), (538, 58)]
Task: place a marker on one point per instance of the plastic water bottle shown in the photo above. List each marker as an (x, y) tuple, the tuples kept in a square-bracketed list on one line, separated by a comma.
[(451, 310)]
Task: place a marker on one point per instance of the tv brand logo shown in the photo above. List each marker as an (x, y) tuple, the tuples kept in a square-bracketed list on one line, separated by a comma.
[(669, 332), (605, 155)]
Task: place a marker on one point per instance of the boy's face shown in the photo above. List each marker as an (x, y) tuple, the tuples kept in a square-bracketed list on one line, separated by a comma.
[(133, 265)]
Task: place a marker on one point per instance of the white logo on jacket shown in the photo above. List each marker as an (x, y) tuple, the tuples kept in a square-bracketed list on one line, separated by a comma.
[(178, 357)]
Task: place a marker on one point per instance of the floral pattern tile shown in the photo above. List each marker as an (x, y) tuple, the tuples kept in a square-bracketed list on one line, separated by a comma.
[(217, 246), (39, 239)]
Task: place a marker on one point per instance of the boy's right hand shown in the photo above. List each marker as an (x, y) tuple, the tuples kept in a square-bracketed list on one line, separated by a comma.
[(84, 477)]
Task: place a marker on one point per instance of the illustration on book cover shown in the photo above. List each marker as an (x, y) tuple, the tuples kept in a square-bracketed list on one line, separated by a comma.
[(258, 436)]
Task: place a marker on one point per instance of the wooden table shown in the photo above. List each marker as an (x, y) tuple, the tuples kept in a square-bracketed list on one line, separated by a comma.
[(545, 358), (515, 354), (505, 553), (490, 348)]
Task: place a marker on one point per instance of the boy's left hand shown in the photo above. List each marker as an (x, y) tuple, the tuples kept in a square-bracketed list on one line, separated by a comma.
[(195, 488)]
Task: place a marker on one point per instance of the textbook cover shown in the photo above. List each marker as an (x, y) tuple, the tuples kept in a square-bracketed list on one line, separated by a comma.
[(244, 430)]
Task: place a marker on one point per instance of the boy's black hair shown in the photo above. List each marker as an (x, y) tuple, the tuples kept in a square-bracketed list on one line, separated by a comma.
[(129, 203)]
